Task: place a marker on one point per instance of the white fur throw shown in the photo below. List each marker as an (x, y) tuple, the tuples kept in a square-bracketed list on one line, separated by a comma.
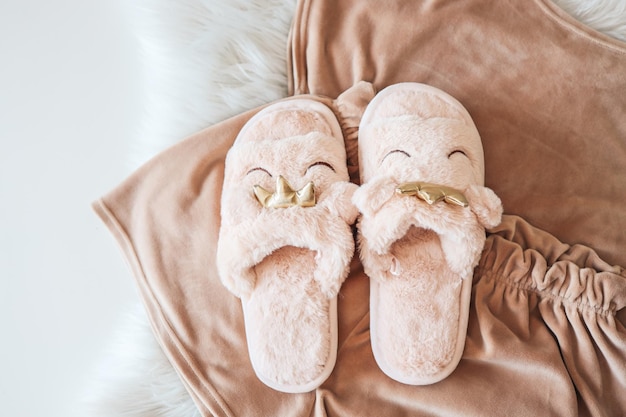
[(206, 60)]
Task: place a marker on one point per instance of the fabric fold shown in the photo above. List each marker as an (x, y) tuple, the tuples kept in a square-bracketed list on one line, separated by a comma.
[(574, 294), (533, 260)]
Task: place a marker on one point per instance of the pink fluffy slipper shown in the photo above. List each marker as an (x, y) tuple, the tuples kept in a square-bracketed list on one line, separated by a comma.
[(285, 241), (424, 212)]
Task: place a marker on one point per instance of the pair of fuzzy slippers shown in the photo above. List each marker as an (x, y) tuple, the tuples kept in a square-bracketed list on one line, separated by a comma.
[(286, 240)]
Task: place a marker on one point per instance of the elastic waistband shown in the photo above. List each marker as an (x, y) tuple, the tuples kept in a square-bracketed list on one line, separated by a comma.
[(522, 256)]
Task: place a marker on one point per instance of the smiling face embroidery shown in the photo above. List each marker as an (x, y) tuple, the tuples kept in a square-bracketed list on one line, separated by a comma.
[(285, 196)]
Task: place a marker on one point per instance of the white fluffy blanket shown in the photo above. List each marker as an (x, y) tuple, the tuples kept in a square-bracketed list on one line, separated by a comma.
[(206, 60)]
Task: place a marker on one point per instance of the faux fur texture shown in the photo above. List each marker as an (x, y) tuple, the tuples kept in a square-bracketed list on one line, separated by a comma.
[(420, 256), (287, 264), (425, 125), (414, 342), (290, 326), (205, 60), (461, 231), (251, 232), (245, 244), (605, 16), (135, 378)]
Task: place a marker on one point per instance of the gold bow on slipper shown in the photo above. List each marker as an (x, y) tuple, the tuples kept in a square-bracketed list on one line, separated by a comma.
[(433, 193), (285, 196)]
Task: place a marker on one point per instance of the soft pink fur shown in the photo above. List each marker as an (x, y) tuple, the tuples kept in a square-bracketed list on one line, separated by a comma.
[(461, 231), (251, 232), (420, 257), (287, 265)]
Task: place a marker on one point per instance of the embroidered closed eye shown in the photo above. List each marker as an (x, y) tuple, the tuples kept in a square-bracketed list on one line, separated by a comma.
[(259, 169), (320, 163), (399, 151), (457, 151)]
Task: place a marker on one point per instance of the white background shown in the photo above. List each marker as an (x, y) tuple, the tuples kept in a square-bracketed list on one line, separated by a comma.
[(70, 105)]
